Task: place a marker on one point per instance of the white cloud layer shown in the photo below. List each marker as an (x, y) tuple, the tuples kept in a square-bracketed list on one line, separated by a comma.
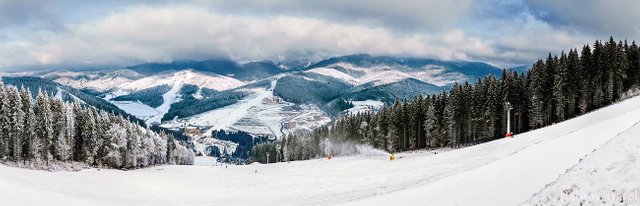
[(160, 31)]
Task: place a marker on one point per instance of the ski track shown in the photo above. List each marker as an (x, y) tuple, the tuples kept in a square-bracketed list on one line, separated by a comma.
[(501, 172)]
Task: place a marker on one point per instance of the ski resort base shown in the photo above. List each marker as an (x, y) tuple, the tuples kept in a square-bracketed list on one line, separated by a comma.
[(590, 158)]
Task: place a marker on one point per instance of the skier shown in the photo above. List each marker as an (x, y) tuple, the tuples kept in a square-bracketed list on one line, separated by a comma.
[(392, 157)]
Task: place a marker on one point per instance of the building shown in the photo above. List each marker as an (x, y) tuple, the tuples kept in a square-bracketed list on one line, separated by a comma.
[(192, 131), (272, 100), (289, 125)]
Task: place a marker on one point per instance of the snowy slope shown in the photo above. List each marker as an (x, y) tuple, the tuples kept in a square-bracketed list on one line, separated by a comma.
[(501, 172), (211, 81), (609, 176), (383, 74), (100, 84), (98, 81)]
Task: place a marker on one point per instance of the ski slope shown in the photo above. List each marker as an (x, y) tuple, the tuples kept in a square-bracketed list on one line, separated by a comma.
[(503, 172)]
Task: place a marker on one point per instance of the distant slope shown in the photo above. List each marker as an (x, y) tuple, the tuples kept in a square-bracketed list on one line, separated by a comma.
[(476, 69), (245, 72), (99, 82), (362, 69), (200, 79), (388, 93)]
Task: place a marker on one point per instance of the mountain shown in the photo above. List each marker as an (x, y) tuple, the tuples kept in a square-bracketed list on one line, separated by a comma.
[(157, 92), (245, 72), (187, 76), (152, 97), (96, 82), (381, 78), (363, 68)]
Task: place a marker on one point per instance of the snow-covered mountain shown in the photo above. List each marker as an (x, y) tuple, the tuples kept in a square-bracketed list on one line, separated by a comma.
[(182, 77), (250, 71), (362, 69)]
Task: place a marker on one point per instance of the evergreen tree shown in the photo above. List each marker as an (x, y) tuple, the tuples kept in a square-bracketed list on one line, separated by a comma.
[(29, 142), (16, 123), (4, 109), (43, 128)]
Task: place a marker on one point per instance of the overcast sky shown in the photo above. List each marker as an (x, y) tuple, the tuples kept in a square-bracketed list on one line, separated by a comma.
[(79, 33)]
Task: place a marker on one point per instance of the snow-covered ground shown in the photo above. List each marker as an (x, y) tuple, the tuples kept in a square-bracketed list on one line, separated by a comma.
[(608, 176), (137, 109), (502, 172), (365, 106), (251, 115)]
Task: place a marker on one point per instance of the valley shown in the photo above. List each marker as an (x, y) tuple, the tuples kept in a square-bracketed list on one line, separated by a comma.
[(272, 102)]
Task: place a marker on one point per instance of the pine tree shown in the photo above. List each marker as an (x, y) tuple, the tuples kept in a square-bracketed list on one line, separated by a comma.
[(586, 80), (57, 127), (431, 127), (538, 96), (573, 80), (43, 129), (560, 92), (3, 122), (29, 140), (16, 123)]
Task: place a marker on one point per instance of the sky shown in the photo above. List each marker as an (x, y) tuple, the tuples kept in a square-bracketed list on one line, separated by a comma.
[(62, 34)]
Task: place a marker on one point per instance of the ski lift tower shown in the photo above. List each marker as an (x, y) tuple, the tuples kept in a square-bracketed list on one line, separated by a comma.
[(508, 107)]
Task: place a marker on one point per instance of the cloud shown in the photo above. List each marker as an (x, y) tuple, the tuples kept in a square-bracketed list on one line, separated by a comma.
[(411, 15), (17, 13), (602, 17), (147, 34), (502, 32)]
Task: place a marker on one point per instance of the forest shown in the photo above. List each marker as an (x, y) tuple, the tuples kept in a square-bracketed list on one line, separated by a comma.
[(49, 131), (553, 90)]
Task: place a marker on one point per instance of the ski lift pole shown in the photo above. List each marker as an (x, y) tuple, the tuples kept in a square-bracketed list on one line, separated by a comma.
[(508, 107)]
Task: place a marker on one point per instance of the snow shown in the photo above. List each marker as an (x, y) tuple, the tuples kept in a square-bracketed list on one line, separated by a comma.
[(137, 109), (335, 74), (502, 172), (211, 81), (100, 84), (223, 118), (169, 98), (608, 176), (382, 74), (364, 106)]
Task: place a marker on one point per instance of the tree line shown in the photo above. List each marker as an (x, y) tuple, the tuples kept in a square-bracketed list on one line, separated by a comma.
[(552, 90), (48, 131)]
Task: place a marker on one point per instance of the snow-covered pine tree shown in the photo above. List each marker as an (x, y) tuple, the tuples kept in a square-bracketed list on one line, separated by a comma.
[(3, 123), (28, 136), (66, 140), (57, 126), (16, 123), (430, 125), (43, 129)]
